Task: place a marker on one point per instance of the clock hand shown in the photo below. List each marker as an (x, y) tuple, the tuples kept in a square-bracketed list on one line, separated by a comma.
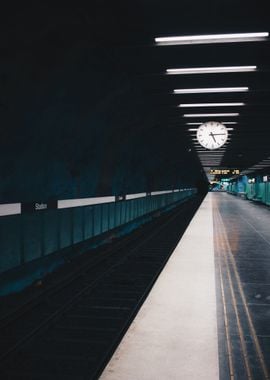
[(218, 134), (211, 134)]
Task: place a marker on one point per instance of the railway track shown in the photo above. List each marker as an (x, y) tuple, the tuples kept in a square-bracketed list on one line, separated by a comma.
[(70, 330)]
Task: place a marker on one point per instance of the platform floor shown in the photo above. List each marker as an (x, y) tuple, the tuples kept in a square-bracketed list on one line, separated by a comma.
[(208, 314)]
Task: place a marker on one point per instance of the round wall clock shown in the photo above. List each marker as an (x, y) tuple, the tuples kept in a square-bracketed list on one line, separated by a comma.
[(212, 135)]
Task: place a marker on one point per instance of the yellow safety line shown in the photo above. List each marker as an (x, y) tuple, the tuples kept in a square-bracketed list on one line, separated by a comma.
[(242, 294), (239, 326), (228, 340)]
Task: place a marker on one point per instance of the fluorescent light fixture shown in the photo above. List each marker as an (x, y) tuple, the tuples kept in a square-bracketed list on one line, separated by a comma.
[(211, 70), (195, 139), (228, 139), (210, 114), (196, 123), (211, 155), (195, 129), (210, 90), (207, 150), (192, 105), (211, 38), (201, 122)]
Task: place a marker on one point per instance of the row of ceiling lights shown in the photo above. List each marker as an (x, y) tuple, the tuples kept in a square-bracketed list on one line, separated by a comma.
[(260, 166), (210, 158)]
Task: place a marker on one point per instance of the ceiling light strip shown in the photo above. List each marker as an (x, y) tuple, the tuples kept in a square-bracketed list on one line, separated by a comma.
[(210, 158), (196, 129), (209, 90), (211, 70), (223, 122), (210, 114), (192, 105), (212, 38), (206, 151)]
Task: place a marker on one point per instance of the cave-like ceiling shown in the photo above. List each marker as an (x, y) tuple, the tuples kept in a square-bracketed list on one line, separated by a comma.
[(68, 68)]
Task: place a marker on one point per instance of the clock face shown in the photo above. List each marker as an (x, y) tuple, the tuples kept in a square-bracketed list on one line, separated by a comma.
[(212, 135)]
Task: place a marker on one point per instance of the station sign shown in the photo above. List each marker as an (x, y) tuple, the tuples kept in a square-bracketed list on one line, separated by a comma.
[(27, 207), (225, 171)]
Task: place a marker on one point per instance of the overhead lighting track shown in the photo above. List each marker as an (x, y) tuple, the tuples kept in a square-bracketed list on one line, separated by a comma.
[(207, 157), (210, 90), (210, 114), (195, 123), (201, 122), (206, 150), (194, 105), (195, 129), (212, 38), (195, 139), (211, 70)]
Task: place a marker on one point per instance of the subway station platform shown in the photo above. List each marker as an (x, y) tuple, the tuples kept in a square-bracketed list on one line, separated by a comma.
[(207, 316)]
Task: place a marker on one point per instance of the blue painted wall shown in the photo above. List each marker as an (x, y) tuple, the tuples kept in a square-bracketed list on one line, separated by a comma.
[(34, 244)]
